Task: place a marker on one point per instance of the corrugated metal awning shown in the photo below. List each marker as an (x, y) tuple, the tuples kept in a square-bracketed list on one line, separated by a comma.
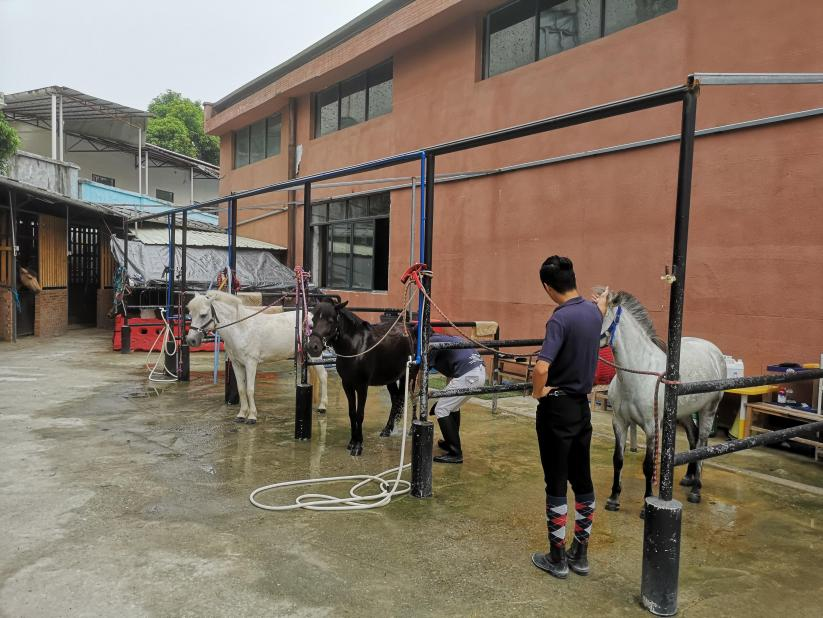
[(198, 238)]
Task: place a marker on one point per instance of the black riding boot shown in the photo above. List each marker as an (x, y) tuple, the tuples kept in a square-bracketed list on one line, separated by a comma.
[(448, 427), (554, 563), (442, 443), (578, 558)]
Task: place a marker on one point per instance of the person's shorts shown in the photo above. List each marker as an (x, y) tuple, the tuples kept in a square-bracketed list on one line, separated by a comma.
[(447, 405)]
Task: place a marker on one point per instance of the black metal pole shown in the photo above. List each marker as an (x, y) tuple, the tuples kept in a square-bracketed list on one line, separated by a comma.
[(184, 373), (125, 330), (13, 239), (169, 353), (711, 386), (422, 428), (303, 390), (232, 396), (661, 539)]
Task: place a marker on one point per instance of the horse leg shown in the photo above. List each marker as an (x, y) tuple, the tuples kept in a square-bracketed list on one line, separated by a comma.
[(396, 405), (251, 375), (362, 393), (705, 420), (323, 379), (619, 426), (240, 377), (648, 462), (351, 398), (691, 435)]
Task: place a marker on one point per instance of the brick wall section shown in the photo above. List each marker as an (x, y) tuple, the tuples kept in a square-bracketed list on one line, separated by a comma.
[(5, 314), (51, 313), (105, 298)]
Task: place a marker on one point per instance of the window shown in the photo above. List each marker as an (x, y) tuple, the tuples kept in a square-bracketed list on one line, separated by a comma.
[(258, 141), (162, 194), (527, 30), (350, 243), (365, 96), (103, 180)]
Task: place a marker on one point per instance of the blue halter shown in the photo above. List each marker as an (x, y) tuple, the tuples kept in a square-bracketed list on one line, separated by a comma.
[(613, 327)]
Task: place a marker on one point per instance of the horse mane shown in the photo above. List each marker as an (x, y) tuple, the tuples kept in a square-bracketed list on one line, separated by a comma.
[(638, 311), (352, 319), (223, 297)]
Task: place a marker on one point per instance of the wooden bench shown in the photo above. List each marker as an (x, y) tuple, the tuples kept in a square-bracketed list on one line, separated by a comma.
[(762, 418)]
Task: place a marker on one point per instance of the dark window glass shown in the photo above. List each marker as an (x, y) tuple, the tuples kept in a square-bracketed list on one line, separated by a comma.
[(358, 207), (337, 210), (319, 213), (511, 37), (103, 180), (241, 147), (380, 90), (353, 101), (379, 204), (273, 130), (164, 195), (527, 30), (339, 256), (326, 111), (351, 251), (257, 142), (624, 13)]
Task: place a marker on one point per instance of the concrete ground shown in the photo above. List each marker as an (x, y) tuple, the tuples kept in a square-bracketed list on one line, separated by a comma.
[(121, 498)]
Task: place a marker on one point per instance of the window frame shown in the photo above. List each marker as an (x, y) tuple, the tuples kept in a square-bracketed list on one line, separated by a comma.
[(103, 180), (157, 190), (338, 88), (267, 121), (320, 233), (537, 10)]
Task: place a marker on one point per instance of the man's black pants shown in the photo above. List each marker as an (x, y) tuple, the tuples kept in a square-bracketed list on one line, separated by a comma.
[(564, 435)]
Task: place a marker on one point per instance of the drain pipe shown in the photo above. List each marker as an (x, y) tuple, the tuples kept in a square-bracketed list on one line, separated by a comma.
[(292, 194)]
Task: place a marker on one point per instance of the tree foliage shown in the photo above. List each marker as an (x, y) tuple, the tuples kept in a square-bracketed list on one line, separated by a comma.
[(178, 125), (9, 142)]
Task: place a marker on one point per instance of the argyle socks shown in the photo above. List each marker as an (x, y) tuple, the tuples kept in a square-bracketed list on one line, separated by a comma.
[(556, 510), (583, 516)]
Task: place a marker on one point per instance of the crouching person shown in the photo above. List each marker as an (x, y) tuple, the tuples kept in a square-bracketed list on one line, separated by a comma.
[(463, 369)]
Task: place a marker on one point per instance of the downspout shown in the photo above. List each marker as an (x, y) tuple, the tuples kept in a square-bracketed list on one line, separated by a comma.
[(13, 281), (292, 173)]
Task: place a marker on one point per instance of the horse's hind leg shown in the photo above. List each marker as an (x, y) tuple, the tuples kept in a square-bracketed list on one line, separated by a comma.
[(691, 435), (240, 377), (648, 461), (251, 376), (705, 421), (620, 426), (396, 406)]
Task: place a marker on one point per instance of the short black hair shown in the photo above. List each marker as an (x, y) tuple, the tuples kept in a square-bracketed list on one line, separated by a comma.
[(558, 273)]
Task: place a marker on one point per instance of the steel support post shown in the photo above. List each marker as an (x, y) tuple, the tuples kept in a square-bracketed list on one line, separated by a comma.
[(184, 372), (169, 353), (232, 396), (125, 329)]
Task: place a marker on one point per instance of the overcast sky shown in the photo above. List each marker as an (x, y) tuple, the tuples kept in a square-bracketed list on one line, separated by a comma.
[(129, 52)]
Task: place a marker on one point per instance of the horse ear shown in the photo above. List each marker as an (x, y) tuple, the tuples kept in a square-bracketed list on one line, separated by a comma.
[(342, 305)]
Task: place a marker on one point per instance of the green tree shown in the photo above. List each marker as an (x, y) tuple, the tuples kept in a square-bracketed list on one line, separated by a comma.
[(9, 142), (173, 106)]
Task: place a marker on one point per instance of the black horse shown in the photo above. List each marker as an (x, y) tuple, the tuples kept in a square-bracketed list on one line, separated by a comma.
[(385, 365)]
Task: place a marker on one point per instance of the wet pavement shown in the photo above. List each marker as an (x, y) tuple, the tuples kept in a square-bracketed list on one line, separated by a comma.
[(118, 497)]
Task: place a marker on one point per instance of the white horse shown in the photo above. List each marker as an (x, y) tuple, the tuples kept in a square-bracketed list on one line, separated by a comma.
[(264, 337), (629, 328)]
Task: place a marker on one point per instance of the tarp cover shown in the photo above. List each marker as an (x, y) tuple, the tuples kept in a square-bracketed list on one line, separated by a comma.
[(257, 269)]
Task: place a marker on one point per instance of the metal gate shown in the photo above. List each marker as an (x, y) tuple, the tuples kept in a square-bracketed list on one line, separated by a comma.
[(84, 273)]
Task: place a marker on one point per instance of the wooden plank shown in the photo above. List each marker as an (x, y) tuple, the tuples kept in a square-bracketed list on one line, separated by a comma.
[(767, 408), (52, 252)]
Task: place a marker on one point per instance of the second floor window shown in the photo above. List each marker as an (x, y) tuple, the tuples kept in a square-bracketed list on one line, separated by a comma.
[(355, 100), (162, 194), (525, 31), (257, 141)]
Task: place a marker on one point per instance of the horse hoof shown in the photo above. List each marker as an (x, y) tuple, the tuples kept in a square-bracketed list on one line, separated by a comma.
[(385, 433), (251, 421), (643, 513), (321, 410), (357, 450), (612, 505), (694, 498), (687, 481), (239, 419)]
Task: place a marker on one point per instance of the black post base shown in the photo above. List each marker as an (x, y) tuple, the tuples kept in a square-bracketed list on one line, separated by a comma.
[(422, 444), (661, 556), (170, 358), (302, 413), (125, 339), (185, 362), (232, 396)]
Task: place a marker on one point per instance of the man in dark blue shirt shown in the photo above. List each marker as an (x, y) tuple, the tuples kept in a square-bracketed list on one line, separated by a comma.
[(464, 369), (562, 379)]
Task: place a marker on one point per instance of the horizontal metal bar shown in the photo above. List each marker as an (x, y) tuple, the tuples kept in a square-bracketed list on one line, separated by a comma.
[(524, 387), (293, 183), (755, 79), (328, 362), (711, 386), (715, 450), (491, 343), (589, 114)]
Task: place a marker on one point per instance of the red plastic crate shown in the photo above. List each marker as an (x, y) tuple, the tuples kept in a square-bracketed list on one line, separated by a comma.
[(143, 336)]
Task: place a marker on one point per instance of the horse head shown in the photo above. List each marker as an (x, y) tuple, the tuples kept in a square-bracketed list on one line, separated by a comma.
[(623, 303), (203, 319), (28, 279), (611, 319), (325, 326)]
